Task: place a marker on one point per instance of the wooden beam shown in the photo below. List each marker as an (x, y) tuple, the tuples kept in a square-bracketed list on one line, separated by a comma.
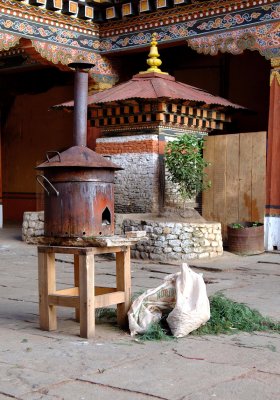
[(123, 278), (47, 285), (105, 300), (87, 299)]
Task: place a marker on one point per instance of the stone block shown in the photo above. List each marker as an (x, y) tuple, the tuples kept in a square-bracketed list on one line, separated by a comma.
[(174, 243), (171, 236), (135, 234), (158, 250), (197, 234), (190, 256), (177, 249), (155, 257), (33, 216), (188, 228), (144, 255), (41, 216), (157, 230), (185, 236), (159, 243)]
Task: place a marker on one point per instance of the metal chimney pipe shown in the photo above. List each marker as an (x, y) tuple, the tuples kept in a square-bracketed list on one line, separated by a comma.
[(80, 101)]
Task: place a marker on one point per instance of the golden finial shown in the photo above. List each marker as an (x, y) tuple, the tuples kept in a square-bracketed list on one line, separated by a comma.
[(154, 61)]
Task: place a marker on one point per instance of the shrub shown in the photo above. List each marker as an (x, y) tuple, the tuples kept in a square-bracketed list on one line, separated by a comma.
[(185, 163)]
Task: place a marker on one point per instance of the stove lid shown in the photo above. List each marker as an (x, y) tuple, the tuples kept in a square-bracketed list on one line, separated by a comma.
[(77, 156)]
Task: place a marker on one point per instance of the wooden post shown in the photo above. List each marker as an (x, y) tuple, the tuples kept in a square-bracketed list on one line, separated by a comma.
[(123, 277), (47, 285), (87, 293), (272, 211), (77, 283)]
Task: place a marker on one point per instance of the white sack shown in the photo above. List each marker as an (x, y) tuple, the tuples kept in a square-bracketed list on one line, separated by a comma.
[(192, 307), (147, 308), (183, 293)]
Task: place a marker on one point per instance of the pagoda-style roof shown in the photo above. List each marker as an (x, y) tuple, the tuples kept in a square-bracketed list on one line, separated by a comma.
[(154, 85), (155, 97)]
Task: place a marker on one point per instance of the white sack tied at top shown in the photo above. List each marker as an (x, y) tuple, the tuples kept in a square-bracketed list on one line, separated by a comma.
[(183, 295)]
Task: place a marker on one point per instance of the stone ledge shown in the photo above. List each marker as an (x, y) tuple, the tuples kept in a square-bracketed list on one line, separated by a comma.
[(160, 238)]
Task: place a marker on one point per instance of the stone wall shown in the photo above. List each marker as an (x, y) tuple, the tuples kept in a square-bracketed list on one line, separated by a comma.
[(33, 224), (173, 241), (167, 241), (136, 186)]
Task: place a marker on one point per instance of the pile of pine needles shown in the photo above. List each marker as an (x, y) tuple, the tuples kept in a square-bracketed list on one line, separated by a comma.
[(227, 316)]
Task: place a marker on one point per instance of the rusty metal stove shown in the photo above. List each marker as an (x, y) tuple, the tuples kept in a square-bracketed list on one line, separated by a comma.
[(78, 183)]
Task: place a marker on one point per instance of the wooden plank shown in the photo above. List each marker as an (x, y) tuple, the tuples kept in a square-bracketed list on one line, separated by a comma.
[(123, 279), (74, 291), (232, 180), (245, 177), (106, 250), (64, 301), (219, 181), (88, 250), (87, 300), (105, 300), (47, 285), (208, 195), (104, 290), (77, 283), (258, 176)]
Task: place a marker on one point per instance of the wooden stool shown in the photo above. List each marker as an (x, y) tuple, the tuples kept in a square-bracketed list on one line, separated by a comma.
[(84, 296)]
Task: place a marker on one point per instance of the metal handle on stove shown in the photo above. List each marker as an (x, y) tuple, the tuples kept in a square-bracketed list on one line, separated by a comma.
[(38, 178), (53, 152)]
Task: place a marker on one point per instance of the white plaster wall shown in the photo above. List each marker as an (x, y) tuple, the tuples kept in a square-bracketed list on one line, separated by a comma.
[(272, 233)]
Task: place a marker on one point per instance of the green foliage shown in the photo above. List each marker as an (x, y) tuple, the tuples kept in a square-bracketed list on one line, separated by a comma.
[(241, 225), (237, 226), (185, 163), (105, 313), (156, 331), (228, 316)]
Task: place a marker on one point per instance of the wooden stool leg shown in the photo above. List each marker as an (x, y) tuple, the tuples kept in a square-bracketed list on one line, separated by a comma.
[(87, 299), (124, 284), (76, 283), (47, 285)]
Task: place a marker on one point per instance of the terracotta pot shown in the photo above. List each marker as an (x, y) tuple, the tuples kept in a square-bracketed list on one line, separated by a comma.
[(246, 240)]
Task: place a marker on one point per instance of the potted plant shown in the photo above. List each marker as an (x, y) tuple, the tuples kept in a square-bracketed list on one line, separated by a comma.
[(246, 238)]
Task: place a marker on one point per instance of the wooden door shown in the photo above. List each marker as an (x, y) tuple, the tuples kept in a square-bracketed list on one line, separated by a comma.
[(237, 173)]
